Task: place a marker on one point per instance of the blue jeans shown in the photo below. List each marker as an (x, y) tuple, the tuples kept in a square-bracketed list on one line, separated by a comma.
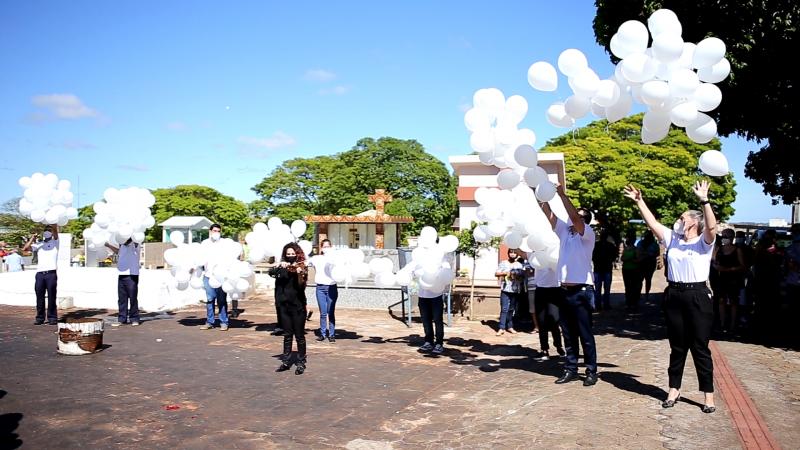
[(575, 318), (508, 304), (218, 296), (326, 300), (603, 279)]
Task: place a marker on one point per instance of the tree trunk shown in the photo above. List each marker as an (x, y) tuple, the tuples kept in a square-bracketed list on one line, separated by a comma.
[(472, 290)]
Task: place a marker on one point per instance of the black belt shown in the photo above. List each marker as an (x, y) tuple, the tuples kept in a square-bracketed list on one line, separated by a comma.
[(46, 271), (576, 287), (682, 285)]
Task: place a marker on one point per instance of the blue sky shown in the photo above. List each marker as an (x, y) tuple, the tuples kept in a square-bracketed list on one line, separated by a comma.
[(156, 94)]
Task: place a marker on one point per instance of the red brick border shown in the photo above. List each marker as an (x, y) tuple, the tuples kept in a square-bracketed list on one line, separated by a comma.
[(750, 426)]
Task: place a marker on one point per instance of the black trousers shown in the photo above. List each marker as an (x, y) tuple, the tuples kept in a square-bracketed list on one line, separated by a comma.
[(546, 304), (432, 310), (46, 282), (293, 322), (633, 286), (690, 315), (128, 289)]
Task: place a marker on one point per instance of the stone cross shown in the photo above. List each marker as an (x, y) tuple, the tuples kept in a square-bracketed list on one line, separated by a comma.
[(380, 198)]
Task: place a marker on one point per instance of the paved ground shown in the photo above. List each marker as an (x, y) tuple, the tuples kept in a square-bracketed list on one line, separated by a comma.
[(168, 384)]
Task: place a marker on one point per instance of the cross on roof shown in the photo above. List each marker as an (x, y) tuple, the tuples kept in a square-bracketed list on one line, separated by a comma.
[(380, 198)]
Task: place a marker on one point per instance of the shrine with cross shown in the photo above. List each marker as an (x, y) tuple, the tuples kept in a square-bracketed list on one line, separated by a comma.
[(370, 230)]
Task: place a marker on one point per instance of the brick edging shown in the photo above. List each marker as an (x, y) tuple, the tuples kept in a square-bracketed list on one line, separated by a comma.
[(750, 426)]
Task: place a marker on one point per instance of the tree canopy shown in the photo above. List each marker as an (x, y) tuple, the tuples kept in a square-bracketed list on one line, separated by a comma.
[(195, 200), (16, 228), (420, 184), (760, 95), (601, 159)]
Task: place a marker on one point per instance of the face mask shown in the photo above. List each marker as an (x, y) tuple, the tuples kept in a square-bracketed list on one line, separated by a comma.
[(214, 236), (678, 227), (291, 259), (47, 235), (325, 250), (726, 241), (739, 241)]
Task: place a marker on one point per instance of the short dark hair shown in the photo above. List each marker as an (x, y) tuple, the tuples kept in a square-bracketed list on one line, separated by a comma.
[(587, 215), (214, 225), (324, 241)]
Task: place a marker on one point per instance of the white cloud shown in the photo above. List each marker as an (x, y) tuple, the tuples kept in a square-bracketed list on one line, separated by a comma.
[(336, 90), (133, 167), (319, 75), (177, 126), (64, 106)]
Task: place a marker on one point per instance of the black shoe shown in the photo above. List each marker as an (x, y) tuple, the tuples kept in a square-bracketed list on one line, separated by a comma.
[(38, 322), (561, 351), (709, 409), (308, 317), (671, 403), (331, 339), (301, 367), (52, 322), (590, 380), (567, 377), (284, 367), (320, 338)]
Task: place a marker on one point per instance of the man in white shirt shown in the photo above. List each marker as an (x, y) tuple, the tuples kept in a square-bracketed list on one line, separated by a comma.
[(46, 276), (127, 282), (327, 292), (575, 275), (213, 247), (14, 261)]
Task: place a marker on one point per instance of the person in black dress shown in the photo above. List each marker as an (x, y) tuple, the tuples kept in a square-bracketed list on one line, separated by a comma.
[(290, 283)]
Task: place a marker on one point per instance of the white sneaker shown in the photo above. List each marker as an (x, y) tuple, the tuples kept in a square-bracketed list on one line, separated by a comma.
[(116, 324), (223, 327), (135, 324)]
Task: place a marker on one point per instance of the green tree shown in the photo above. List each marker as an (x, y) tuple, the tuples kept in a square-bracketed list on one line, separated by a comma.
[(601, 159), (420, 184), (15, 228), (195, 200), (82, 222), (468, 246), (759, 97)]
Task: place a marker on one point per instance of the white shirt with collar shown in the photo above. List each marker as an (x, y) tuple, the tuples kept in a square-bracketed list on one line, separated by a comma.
[(575, 256), (128, 259), (47, 255)]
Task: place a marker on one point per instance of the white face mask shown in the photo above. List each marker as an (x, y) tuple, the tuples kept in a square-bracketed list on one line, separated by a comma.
[(678, 227), (47, 235), (214, 236), (325, 250), (726, 241)]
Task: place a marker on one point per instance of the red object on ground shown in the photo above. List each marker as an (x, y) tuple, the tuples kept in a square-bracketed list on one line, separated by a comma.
[(171, 407)]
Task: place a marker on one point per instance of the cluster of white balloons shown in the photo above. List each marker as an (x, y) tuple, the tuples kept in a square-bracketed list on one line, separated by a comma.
[(46, 199), (219, 262), (268, 239), (347, 265), (122, 214), (515, 216), (673, 79), (431, 266)]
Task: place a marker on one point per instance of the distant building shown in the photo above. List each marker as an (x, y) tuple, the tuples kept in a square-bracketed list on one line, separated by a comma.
[(194, 228)]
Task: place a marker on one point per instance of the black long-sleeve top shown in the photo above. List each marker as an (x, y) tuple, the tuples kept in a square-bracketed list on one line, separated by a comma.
[(289, 291)]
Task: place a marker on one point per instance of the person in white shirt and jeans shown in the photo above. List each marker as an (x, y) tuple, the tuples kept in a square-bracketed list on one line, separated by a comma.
[(127, 282), (327, 291), (46, 275)]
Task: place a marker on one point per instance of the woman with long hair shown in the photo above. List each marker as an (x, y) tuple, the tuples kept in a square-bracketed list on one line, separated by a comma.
[(687, 300), (290, 283)]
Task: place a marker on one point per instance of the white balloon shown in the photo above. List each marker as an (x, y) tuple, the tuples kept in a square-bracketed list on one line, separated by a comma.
[(37, 215), (449, 243), (306, 246), (709, 51), (482, 195), (110, 195), (633, 34), (621, 48), (715, 73), (507, 179), (585, 83), (707, 97), (480, 233), (656, 120), (177, 237), (298, 228), (496, 228), (526, 156), (516, 108), (607, 94), (138, 237), (63, 185), (683, 83), (655, 92), (571, 62), (652, 136), (557, 116), (525, 136), (713, 163), (513, 239), (620, 109), (638, 68), (51, 180), (545, 191), (664, 21), (274, 223), (24, 182), (260, 227), (577, 107), (542, 76), (242, 285), (477, 119), (491, 100), (683, 113), (667, 47), (535, 176), (702, 130), (196, 283)]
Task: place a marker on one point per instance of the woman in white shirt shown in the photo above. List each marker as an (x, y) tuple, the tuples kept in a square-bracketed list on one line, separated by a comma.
[(687, 300), (327, 291)]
